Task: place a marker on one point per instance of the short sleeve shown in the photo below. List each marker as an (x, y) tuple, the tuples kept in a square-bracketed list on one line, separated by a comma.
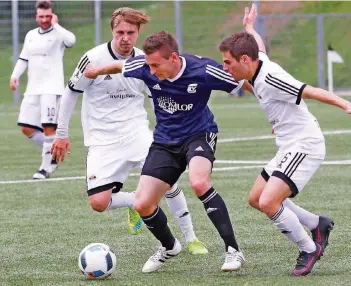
[(78, 82), (25, 52), (134, 67), (282, 86), (218, 79)]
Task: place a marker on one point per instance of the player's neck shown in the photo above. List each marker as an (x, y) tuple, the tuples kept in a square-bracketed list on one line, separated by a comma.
[(44, 30), (253, 69), (177, 68)]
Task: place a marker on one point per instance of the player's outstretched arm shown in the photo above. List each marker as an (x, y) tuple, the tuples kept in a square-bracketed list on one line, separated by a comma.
[(61, 144), (92, 71), (249, 22), (326, 97)]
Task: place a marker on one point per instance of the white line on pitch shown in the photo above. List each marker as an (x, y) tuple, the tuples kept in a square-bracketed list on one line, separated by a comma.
[(131, 175), (335, 162), (254, 138)]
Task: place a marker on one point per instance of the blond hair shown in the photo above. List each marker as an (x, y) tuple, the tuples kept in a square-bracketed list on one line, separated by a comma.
[(128, 15)]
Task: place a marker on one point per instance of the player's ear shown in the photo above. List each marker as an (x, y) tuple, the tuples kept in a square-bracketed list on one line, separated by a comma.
[(245, 59), (174, 57)]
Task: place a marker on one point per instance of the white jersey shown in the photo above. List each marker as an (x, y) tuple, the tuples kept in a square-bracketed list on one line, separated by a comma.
[(44, 50), (113, 106), (279, 95)]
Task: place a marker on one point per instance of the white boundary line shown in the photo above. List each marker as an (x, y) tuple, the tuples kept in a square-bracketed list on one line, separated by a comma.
[(335, 162), (131, 175), (254, 138)]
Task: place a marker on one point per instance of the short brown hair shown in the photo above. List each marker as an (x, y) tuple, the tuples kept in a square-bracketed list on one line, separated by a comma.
[(240, 44), (128, 15), (45, 5), (163, 42)]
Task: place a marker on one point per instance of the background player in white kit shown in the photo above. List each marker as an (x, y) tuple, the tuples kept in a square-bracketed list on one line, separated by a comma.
[(300, 142), (116, 128), (42, 53)]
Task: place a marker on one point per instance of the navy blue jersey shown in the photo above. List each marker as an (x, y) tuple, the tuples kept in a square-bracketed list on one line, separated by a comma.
[(180, 103)]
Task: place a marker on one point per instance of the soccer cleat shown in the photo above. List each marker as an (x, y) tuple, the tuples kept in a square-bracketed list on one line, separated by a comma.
[(234, 259), (161, 255), (320, 234), (134, 221), (306, 261), (196, 247), (41, 174)]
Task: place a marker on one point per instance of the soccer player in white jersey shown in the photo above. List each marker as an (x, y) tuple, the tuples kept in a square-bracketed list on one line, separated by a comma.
[(116, 128), (42, 54), (299, 139)]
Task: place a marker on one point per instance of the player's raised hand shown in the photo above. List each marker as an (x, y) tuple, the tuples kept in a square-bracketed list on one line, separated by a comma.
[(54, 19), (59, 149), (91, 71), (14, 83), (250, 16)]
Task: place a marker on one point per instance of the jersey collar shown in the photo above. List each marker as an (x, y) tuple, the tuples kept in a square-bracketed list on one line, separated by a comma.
[(180, 72), (42, 32), (109, 47), (252, 82)]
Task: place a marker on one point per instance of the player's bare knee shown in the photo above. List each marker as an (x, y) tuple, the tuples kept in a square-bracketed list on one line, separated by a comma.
[(27, 131), (266, 205), (199, 185), (98, 204), (254, 201), (143, 207)]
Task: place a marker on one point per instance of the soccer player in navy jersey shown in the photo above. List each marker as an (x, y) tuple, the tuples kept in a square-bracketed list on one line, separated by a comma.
[(185, 135)]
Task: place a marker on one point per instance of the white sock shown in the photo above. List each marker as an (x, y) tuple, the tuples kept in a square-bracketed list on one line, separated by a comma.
[(121, 199), (177, 204), (37, 137), (46, 153), (306, 218), (288, 223)]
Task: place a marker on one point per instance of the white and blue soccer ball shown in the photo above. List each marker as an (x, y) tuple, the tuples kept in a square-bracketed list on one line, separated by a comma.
[(97, 261)]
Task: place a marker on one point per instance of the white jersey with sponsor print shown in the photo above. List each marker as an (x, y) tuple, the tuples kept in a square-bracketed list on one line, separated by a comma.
[(279, 95), (44, 50), (113, 106)]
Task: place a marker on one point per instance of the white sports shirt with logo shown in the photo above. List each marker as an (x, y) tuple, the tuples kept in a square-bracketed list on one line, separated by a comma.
[(113, 106), (44, 50), (279, 95)]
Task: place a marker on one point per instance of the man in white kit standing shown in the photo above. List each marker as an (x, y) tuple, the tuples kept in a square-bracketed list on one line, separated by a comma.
[(42, 54), (116, 128)]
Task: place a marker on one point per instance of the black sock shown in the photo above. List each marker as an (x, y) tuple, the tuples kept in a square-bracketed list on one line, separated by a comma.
[(157, 224), (218, 214)]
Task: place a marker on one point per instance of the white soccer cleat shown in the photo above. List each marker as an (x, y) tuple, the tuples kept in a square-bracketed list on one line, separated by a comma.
[(159, 258), (41, 174), (233, 260)]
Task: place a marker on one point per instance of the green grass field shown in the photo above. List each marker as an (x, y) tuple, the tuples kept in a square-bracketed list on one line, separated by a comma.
[(44, 225)]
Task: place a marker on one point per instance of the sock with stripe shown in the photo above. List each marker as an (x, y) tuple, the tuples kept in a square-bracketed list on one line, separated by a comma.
[(157, 224), (37, 137), (218, 214), (121, 199), (46, 153), (177, 204), (305, 217), (288, 224)]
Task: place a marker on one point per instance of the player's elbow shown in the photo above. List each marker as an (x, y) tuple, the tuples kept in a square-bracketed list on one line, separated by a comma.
[(70, 41)]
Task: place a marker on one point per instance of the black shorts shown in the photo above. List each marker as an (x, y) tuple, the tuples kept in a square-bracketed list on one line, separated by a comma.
[(167, 162)]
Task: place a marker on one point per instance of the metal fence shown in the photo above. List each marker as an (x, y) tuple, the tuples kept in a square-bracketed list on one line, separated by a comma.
[(296, 41)]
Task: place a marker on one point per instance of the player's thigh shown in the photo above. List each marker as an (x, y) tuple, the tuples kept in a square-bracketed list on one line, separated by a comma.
[(296, 168), (200, 155), (149, 193), (163, 164), (29, 115), (105, 167), (49, 107)]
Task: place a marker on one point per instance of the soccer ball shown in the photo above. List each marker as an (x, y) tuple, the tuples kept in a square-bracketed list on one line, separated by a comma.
[(97, 261)]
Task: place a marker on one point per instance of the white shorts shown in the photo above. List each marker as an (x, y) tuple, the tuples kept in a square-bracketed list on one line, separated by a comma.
[(295, 165), (38, 111), (109, 166)]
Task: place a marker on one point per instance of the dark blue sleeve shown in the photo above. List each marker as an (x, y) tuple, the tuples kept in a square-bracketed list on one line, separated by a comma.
[(135, 67), (218, 79)]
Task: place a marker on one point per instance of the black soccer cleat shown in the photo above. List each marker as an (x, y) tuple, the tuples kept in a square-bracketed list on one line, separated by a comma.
[(306, 261), (320, 234)]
